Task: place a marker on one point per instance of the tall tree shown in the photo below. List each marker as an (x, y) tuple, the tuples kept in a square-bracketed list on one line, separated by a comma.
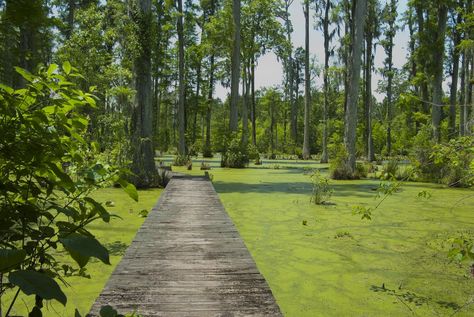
[(181, 84), (290, 72), (307, 88), (371, 32), (455, 34), (354, 79), (143, 163), (390, 29), (437, 67), (235, 76), (325, 7)]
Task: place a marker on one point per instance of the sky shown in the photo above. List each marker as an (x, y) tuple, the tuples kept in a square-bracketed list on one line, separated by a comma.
[(269, 71)]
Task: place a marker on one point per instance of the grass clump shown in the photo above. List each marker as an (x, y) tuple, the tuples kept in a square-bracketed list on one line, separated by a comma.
[(322, 191)]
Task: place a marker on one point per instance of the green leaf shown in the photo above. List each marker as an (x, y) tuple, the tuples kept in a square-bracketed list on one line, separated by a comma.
[(51, 69), (108, 311), (10, 258), (76, 313), (61, 175), (31, 282), (24, 73), (99, 208), (82, 247), (36, 312), (130, 189), (67, 67)]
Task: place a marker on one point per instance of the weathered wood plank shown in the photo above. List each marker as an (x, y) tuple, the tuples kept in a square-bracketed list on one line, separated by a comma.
[(188, 259)]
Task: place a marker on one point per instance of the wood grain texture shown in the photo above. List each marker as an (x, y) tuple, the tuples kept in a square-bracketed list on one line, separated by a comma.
[(188, 259)]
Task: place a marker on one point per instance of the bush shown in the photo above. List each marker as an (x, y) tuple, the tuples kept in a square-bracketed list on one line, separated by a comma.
[(164, 177), (449, 163), (361, 170), (48, 170), (390, 169), (181, 160), (207, 151), (205, 166), (236, 154), (455, 162), (339, 167), (322, 192)]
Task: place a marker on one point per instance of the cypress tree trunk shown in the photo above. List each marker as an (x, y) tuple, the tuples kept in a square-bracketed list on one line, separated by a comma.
[(454, 81), (234, 85), (354, 79), (462, 99), (438, 57), (324, 156), (143, 164), (290, 74), (181, 92), (254, 114), (368, 101), (307, 88), (207, 152)]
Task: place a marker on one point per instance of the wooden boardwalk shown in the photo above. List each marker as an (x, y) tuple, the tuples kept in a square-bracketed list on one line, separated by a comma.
[(188, 259)]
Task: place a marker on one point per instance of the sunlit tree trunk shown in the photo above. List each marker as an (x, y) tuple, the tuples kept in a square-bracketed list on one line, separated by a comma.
[(235, 77), (181, 84), (438, 57), (307, 88), (324, 156), (143, 163), (354, 79)]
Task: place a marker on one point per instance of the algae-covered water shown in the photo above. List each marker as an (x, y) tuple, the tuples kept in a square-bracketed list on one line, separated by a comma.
[(339, 265), (335, 265)]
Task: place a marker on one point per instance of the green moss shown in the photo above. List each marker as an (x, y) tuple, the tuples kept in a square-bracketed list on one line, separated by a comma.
[(393, 264), (116, 236)]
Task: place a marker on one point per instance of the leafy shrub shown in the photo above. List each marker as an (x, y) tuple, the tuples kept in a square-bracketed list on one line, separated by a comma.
[(189, 165), (361, 170), (48, 171), (339, 167), (236, 154), (322, 191), (455, 162), (253, 152), (206, 151), (421, 156), (181, 160), (164, 177), (390, 169), (205, 166)]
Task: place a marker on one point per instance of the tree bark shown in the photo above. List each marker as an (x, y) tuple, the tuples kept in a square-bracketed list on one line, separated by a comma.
[(463, 97), (143, 163), (438, 57), (353, 93), (454, 82), (307, 88), (181, 88), (324, 155), (368, 100), (235, 76), (254, 113), (290, 74)]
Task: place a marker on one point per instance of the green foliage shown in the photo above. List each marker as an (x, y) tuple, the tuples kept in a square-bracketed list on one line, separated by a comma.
[(236, 154), (390, 169), (454, 161), (449, 163), (181, 160), (339, 167), (48, 171), (322, 190)]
